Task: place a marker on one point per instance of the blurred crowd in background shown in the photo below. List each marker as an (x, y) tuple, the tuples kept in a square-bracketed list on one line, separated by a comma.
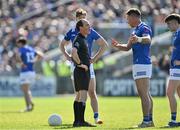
[(44, 22)]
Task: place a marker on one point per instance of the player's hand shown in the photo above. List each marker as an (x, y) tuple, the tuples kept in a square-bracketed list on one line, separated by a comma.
[(83, 66), (92, 60), (39, 52), (114, 42), (133, 39), (176, 62), (23, 65)]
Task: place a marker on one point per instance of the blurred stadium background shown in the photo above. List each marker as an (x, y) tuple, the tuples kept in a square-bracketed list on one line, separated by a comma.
[(44, 23)]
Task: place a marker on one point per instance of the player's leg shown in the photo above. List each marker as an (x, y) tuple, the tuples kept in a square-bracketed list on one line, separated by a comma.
[(151, 110), (171, 89), (93, 95), (27, 96), (178, 91), (143, 91), (94, 100)]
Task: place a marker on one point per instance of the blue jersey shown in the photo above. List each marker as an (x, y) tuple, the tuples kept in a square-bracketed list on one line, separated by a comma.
[(27, 55), (141, 52), (176, 49), (93, 35)]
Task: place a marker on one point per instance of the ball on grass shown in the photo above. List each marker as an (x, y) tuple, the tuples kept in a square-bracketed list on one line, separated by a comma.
[(54, 120)]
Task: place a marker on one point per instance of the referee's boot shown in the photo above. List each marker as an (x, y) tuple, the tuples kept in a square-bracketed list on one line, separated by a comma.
[(76, 124)]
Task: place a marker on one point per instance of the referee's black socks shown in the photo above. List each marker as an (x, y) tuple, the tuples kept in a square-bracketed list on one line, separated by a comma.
[(82, 106), (76, 111)]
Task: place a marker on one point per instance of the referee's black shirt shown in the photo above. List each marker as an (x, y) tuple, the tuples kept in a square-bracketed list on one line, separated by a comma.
[(82, 49)]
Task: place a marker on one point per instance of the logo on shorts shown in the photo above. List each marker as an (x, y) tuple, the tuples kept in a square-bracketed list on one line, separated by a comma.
[(140, 73), (176, 75)]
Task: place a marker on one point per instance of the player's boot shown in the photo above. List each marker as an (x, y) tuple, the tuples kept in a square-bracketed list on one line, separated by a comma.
[(26, 110), (29, 108), (173, 124), (144, 125), (98, 121), (86, 124), (152, 124)]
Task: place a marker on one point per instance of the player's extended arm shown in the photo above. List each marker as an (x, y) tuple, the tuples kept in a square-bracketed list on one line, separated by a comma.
[(39, 55), (121, 47), (103, 46), (62, 45)]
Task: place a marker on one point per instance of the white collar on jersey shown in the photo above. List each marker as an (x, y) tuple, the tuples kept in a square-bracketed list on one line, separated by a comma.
[(139, 24)]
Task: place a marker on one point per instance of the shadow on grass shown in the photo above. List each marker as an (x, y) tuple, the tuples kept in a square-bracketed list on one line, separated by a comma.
[(63, 126), (9, 112), (70, 126), (163, 127), (167, 127), (129, 128)]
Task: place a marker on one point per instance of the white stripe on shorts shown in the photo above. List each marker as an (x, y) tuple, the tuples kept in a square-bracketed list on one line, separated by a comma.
[(142, 71), (174, 74), (27, 77)]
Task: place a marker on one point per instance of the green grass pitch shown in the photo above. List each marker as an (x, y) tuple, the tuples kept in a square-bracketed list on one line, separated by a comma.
[(118, 113)]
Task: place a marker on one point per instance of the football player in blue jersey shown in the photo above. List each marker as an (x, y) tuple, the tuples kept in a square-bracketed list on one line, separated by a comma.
[(140, 41), (173, 23), (93, 36), (26, 57)]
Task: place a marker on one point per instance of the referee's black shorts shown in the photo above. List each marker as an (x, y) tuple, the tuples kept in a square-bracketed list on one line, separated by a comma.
[(81, 79)]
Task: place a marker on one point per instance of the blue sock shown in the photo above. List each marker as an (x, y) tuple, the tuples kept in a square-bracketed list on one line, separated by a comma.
[(146, 119), (173, 116), (150, 117), (96, 115)]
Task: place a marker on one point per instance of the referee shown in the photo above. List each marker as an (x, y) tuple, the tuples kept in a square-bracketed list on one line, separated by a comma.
[(81, 60)]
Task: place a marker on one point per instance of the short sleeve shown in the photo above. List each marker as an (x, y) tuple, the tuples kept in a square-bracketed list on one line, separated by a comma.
[(146, 31), (76, 45), (67, 36), (95, 34)]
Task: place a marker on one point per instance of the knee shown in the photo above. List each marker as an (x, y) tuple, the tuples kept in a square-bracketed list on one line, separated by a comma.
[(76, 97), (83, 99), (92, 93), (145, 97), (169, 93)]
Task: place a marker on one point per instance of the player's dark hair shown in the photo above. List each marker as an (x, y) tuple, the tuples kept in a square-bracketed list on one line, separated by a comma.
[(79, 24), (134, 11), (22, 40), (172, 17), (80, 12)]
